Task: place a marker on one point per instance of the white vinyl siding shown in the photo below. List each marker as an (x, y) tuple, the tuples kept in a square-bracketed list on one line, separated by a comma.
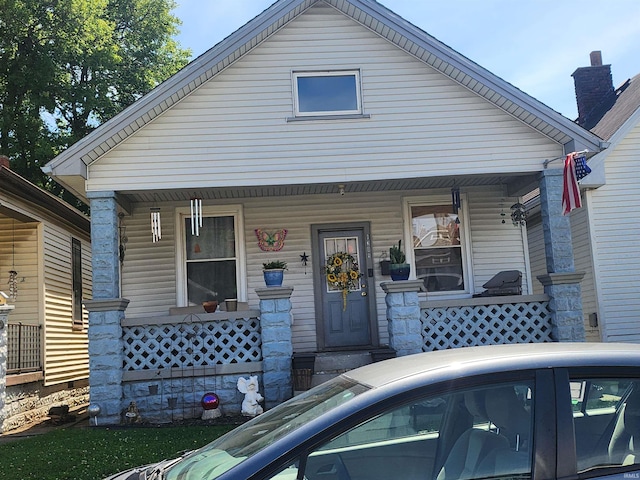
[(19, 251), (537, 255), (66, 352), (43, 263), (615, 229), (232, 131), (150, 284), (495, 246)]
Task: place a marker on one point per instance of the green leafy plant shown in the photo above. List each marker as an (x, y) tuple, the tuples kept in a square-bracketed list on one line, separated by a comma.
[(275, 265), (396, 255)]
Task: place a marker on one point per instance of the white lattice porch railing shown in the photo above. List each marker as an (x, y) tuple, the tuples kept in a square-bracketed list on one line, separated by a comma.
[(191, 341), (485, 321)]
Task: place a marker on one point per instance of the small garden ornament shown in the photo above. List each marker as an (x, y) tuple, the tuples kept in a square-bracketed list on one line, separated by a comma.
[(252, 398)]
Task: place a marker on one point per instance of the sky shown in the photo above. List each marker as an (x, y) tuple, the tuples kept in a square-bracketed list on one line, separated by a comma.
[(533, 44)]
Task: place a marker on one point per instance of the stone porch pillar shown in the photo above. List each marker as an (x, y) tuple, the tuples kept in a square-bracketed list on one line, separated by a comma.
[(277, 346), (403, 316), (4, 318), (106, 310), (562, 282)]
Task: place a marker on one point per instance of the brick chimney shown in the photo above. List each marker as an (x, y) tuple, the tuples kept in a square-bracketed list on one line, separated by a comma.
[(593, 86), (4, 161)]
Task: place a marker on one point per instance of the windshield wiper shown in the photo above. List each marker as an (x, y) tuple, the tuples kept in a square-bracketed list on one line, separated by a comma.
[(158, 471)]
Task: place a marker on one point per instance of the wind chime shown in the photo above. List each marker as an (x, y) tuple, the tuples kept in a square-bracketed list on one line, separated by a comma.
[(13, 274), (455, 202), (518, 215), (196, 216), (156, 226)]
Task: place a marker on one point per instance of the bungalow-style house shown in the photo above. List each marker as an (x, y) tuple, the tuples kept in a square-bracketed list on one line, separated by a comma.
[(320, 134), (45, 271), (604, 229)]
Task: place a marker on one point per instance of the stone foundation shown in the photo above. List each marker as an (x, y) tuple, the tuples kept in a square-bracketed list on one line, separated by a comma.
[(30, 402), (178, 399)]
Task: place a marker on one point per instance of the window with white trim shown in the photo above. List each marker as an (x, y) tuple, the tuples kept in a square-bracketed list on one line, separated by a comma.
[(211, 266), (327, 93), (438, 253)]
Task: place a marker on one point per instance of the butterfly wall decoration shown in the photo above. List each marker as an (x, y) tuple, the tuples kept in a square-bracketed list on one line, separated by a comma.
[(271, 242)]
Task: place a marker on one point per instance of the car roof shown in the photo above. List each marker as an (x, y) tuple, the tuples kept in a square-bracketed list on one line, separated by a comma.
[(469, 361)]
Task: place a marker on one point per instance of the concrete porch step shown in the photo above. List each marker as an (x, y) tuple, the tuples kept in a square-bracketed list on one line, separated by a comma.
[(331, 364)]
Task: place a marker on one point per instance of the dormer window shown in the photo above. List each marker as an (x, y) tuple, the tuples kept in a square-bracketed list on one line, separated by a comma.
[(327, 93)]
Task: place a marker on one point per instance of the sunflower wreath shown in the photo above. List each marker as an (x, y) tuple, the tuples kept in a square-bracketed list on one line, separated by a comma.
[(342, 274)]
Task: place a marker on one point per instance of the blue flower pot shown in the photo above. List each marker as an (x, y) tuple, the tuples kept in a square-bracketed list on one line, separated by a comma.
[(273, 278), (399, 271)]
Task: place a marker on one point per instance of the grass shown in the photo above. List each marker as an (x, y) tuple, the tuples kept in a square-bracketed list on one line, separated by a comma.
[(94, 453)]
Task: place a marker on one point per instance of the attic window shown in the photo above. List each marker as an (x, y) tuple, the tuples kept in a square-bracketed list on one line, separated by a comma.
[(327, 93)]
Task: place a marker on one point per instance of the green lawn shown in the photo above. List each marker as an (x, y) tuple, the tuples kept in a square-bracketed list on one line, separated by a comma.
[(94, 453)]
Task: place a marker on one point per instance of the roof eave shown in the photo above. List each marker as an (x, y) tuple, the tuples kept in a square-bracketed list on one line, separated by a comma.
[(370, 14), (14, 184)]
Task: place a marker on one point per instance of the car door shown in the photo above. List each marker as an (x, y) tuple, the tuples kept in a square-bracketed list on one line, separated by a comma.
[(600, 408), (480, 428)]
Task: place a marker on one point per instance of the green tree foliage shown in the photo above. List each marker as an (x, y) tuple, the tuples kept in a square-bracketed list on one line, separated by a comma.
[(66, 66)]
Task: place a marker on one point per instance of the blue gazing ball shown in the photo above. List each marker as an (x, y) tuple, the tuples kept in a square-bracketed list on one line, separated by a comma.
[(210, 401)]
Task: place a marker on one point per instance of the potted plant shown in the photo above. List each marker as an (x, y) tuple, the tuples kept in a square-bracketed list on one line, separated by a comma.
[(398, 268), (274, 272)]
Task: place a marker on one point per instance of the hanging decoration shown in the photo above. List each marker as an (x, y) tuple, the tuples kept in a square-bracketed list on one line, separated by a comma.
[(518, 215), (502, 214), (271, 242), (304, 258), (122, 234), (196, 216), (342, 274), (455, 199), (156, 226), (13, 284), (13, 274)]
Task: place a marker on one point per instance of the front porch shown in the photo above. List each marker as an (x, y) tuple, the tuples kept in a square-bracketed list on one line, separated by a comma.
[(171, 361)]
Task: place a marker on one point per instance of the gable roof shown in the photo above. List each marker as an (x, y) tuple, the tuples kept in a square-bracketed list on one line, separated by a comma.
[(627, 101), (70, 167), (614, 126)]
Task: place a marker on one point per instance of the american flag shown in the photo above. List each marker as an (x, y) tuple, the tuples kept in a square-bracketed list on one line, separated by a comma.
[(570, 189)]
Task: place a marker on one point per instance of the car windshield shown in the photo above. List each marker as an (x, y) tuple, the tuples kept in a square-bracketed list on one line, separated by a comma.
[(241, 443)]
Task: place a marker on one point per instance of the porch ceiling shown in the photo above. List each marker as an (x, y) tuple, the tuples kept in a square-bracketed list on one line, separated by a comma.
[(515, 185)]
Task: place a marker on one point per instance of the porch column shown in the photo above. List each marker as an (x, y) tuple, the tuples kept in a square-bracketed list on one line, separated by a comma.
[(562, 283), (106, 310), (277, 346), (4, 318), (403, 316)]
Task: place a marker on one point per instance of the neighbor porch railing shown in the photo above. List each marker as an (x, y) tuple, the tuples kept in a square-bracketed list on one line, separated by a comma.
[(23, 348), (485, 321)]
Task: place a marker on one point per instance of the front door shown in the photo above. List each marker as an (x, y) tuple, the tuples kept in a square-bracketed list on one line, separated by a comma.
[(343, 296)]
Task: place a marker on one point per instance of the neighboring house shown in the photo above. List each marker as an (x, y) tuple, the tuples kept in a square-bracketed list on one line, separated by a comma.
[(46, 244), (604, 230), (319, 127)]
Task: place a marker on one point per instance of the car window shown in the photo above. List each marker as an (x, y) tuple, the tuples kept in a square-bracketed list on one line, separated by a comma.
[(467, 434), (606, 416)]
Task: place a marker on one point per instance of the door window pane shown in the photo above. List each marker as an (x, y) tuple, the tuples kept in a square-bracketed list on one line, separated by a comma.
[(436, 247), (348, 245)]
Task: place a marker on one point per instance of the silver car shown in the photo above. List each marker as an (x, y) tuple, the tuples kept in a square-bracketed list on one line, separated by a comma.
[(538, 411)]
